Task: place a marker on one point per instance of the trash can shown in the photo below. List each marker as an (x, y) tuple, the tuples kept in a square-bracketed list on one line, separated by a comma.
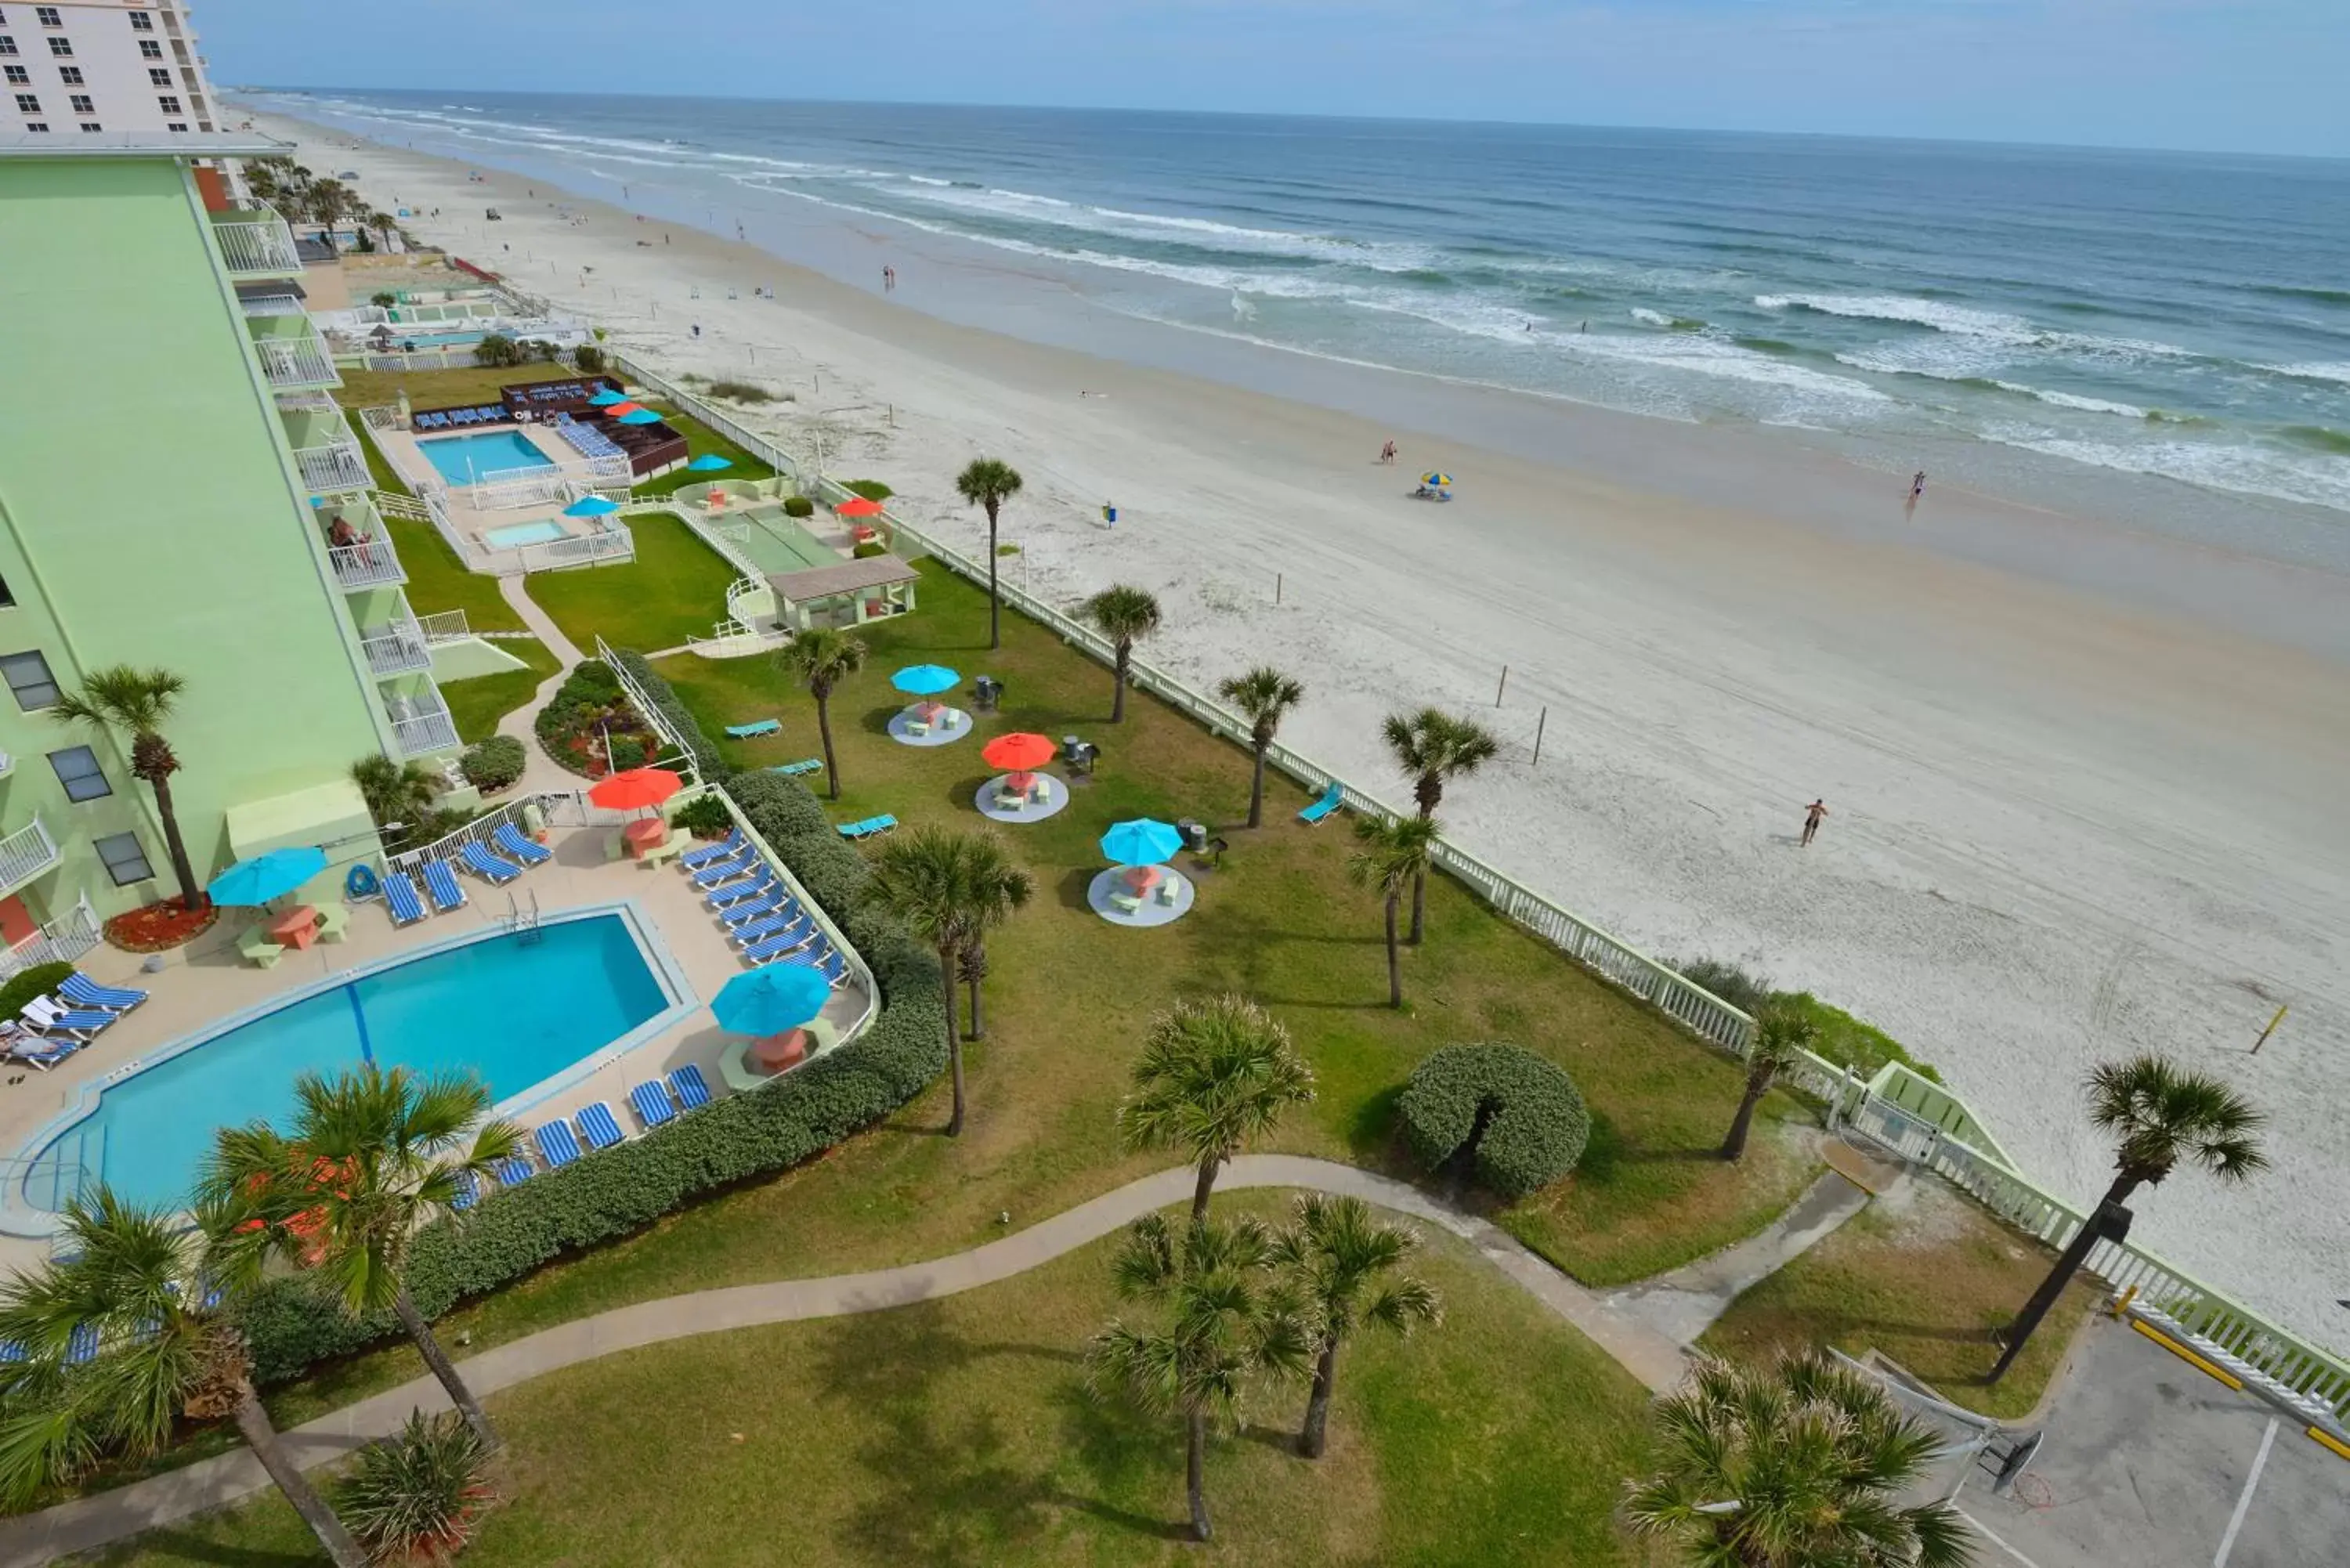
[(1195, 835), (985, 693)]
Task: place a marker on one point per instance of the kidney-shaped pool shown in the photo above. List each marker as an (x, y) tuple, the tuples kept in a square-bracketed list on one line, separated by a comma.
[(516, 1009)]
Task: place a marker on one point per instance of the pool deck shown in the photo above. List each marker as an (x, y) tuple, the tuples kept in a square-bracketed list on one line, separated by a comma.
[(206, 984), (402, 449)]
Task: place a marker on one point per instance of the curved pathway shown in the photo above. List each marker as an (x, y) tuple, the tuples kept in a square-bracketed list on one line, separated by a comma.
[(87, 1522), (539, 770)]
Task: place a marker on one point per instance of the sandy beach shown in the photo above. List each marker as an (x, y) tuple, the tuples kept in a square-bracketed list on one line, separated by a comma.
[(2085, 782)]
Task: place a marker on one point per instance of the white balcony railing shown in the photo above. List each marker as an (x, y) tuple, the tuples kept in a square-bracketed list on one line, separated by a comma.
[(334, 463), (25, 855), (371, 563), (396, 647), (422, 724), (290, 364), (257, 305), (448, 625), (257, 244), (61, 940)]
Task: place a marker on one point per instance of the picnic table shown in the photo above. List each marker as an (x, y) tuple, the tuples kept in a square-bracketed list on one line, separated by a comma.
[(296, 928)]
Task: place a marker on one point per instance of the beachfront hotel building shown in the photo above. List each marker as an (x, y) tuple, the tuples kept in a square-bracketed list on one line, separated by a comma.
[(103, 67), (177, 490)]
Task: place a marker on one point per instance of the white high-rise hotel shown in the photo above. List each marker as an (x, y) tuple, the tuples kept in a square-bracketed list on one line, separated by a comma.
[(111, 67)]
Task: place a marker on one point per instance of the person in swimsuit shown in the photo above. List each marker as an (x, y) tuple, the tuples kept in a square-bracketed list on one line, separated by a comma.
[(1811, 815)]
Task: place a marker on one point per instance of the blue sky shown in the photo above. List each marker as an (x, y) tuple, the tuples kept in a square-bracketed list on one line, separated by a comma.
[(2264, 75)]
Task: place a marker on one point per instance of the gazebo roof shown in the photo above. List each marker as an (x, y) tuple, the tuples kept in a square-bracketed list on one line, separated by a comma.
[(848, 578)]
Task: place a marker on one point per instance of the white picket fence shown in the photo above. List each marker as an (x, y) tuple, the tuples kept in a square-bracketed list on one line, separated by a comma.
[(1897, 1109)]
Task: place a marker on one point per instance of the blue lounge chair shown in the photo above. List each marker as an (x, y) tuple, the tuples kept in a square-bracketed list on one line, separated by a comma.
[(512, 1171), (442, 883), (557, 1145), (760, 932), (83, 992), (399, 898), (651, 1103), (719, 871), (486, 866), (598, 1126), (510, 839), (732, 893), (695, 860), (37, 1052), (50, 1018), (692, 1090), (82, 1344), (749, 909), (776, 946), (757, 727), (834, 968), (795, 770), (469, 1191), (1331, 799)]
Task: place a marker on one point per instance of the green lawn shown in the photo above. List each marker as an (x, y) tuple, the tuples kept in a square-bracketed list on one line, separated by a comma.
[(477, 704), (959, 1432), (700, 439), (675, 589), (435, 388), (1924, 1276), (379, 469), (438, 581)]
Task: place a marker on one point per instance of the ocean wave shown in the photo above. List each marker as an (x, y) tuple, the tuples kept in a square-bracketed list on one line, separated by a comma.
[(1942, 317), (2310, 372), (2074, 401), (1641, 313), (2231, 467), (2295, 291), (1170, 229), (2319, 437)]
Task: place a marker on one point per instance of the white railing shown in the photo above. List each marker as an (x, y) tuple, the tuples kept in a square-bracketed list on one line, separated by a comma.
[(420, 725), (335, 463), (2209, 1317), (395, 646), (295, 364), (371, 563), (379, 418), (724, 537), (399, 506), (655, 721), (733, 639), (448, 625), (271, 304), (61, 940), (610, 547), (553, 806), (257, 242), (26, 853)]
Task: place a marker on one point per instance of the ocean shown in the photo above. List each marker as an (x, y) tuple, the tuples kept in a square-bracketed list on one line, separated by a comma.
[(2000, 315)]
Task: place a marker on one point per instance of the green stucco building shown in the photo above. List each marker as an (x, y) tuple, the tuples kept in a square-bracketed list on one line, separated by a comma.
[(177, 489)]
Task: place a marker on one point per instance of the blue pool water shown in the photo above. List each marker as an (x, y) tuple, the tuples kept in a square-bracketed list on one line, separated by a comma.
[(515, 535), (514, 1011), (464, 458)]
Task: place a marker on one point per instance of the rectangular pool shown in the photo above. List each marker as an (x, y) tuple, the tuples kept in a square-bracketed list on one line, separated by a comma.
[(515, 534), (463, 460), (515, 1010)]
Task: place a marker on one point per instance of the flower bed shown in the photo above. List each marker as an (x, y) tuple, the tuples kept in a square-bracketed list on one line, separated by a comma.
[(586, 715), (159, 926)]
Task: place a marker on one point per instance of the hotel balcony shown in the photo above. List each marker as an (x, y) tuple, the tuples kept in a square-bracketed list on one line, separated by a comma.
[(255, 242), (395, 645), (325, 450), (25, 855), (293, 356), (420, 719), (358, 545)]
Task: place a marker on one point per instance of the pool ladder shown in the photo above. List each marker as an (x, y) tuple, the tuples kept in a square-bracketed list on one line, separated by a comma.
[(522, 922)]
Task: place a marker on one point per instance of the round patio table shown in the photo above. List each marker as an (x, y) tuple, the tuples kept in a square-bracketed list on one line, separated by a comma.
[(648, 833)]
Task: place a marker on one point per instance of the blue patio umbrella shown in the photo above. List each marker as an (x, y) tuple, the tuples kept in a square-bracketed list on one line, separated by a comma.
[(591, 506), (639, 417), (771, 999), (606, 398), (1142, 842), (267, 875), (710, 463), (925, 680)]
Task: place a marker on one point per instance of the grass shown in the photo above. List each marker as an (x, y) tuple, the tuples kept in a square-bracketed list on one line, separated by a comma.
[(438, 581), (380, 471), (478, 703), (1925, 1277), (675, 589), (434, 389), (959, 1432), (700, 439)]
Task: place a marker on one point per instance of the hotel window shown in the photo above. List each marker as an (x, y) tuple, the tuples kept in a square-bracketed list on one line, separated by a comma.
[(77, 770), (69, 75), (47, 16), (91, 125), (125, 861), (37, 126), (61, 48), (170, 105), (81, 104), (7, 45), (142, 23), (26, 103), (19, 76), (149, 49), (28, 673), (159, 77)]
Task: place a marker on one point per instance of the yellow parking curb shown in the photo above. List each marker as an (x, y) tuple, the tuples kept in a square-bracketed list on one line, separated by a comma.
[(2180, 1351), (2329, 1440)]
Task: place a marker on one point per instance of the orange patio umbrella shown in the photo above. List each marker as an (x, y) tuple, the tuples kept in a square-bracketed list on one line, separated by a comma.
[(616, 410), (1019, 751), (635, 789), (857, 506)]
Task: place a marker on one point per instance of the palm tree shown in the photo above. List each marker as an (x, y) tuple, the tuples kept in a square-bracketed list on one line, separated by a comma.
[(1344, 1263), (371, 1157), (947, 885), (1432, 746), (137, 702), (147, 1294), (382, 224), (1213, 1074), (1122, 614), (1229, 1324), (821, 659), (1791, 1466), (994, 890), (1264, 695), (1394, 857), (989, 482), (396, 793), (1782, 1032), (2163, 1114)]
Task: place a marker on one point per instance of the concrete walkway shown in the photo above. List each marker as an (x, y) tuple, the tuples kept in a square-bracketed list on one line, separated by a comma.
[(539, 770), (1682, 1304), (229, 1478)]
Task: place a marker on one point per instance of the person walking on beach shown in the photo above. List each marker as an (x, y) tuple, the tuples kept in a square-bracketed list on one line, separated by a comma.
[(1811, 815), (1387, 455), (697, 329)]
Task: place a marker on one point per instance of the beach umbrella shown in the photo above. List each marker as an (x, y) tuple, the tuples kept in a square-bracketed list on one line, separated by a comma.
[(267, 875), (710, 463), (1142, 842), (771, 999), (1019, 751), (635, 788), (925, 680), (857, 506), (606, 398), (621, 406), (639, 417), (591, 506), (1437, 480)]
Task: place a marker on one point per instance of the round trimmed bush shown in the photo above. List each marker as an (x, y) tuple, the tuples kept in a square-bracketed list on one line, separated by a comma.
[(798, 506), (871, 548), (1520, 1117), (27, 983), (492, 765)]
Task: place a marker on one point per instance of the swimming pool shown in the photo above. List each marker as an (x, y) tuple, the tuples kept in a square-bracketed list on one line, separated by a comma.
[(515, 534), (518, 1010), (462, 460)]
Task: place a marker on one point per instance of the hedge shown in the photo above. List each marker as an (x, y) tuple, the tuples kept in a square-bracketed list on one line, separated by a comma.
[(493, 763), (290, 1324), (25, 984), (1526, 1116), (708, 760)]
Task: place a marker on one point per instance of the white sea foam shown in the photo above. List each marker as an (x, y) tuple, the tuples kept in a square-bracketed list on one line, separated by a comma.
[(1933, 312), (2074, 400), (2311, 371), (1653, 317), (2210, 465)]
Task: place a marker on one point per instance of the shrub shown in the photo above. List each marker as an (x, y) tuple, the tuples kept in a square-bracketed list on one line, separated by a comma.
[(626, 752), (497, 349), (492, 765), (587, 360), (1846, 1041), (742, 392), (798, 506), (1740, 988), (1520, 1117), (538, 348), (1007, 549), (776, 806), (705, 816), (871, 548), (384, 297), (871, 489), (708, 760), (25, 984), (417, 1496)]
